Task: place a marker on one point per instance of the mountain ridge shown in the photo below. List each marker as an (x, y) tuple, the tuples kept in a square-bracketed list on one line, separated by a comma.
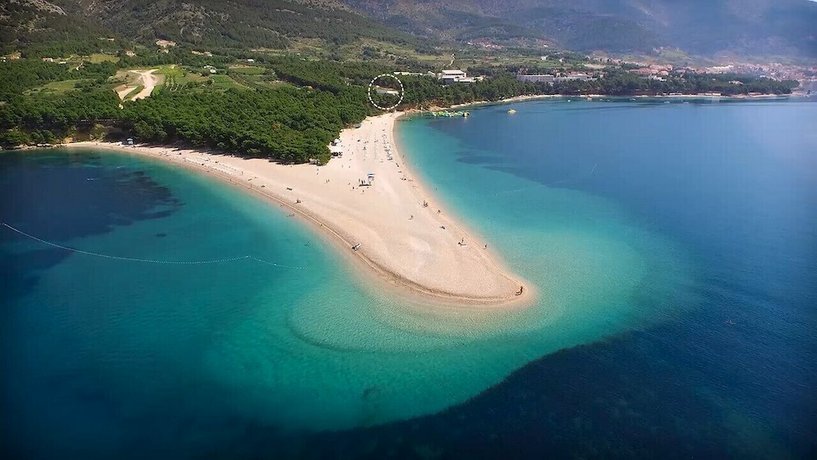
[(711, 28), (704, 27), (245, 24)]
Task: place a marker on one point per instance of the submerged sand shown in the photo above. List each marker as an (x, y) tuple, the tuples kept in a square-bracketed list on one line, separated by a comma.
[(394, 227)]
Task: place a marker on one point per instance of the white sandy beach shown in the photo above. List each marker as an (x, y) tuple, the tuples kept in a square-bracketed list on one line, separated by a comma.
[(405, 235)]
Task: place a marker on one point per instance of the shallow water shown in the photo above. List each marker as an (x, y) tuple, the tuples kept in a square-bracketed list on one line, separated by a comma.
[(680, 221)]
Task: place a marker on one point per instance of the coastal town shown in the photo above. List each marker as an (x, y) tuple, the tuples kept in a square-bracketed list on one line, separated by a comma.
[(596, 68)]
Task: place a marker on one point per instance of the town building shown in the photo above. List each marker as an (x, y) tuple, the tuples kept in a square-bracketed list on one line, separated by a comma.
[(551, 79), (575, 76), (538, 78), (454, 76)]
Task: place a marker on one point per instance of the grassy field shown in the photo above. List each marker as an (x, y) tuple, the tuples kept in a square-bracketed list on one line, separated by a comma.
[(96, 58), (225, 82), (391, 53), (134, 92), (406, 57), (253, 76), (460, 58), (246, 69), (124, 77), (311, 47), (171, 70), (56, 87), (174, 77)]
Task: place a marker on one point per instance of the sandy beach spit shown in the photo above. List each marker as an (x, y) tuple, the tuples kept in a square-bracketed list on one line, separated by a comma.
[(377, 211)]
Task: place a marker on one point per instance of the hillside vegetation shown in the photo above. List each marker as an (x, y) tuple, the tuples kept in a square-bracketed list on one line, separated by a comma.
[(234, 23), (42, 28), (62, 27), (292, 120), (706, 27), (698, 27), (223, 85)]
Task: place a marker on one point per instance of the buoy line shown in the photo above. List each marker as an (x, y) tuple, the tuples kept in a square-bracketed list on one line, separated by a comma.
[(149, 261)]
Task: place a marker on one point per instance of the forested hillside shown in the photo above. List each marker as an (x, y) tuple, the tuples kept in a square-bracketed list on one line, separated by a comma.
[(283, 123), (707, 27), (43, 28), (79, 65), (61, 27), (233, 23), (700, 27), (292, 119)]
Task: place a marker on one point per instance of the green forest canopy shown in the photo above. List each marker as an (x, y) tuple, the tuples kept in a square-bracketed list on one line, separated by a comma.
[(285, 123)]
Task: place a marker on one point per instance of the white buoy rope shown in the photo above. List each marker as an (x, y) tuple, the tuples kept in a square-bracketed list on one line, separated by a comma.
[(148, 261)]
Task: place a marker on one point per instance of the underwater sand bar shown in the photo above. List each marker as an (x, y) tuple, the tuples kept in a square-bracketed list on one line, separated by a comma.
[(376, 209)]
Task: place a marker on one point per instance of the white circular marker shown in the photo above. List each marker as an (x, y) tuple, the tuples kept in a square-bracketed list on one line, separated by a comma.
[(372, 85)]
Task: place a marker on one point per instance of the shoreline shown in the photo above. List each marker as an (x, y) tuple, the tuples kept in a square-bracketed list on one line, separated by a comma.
[(535, 97), (395, 265), (404, 237)]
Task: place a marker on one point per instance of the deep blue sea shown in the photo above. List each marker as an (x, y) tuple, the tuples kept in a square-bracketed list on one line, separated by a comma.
[(674, 246)]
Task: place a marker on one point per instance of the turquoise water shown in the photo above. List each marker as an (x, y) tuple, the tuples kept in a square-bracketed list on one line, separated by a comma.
[(625, 216)]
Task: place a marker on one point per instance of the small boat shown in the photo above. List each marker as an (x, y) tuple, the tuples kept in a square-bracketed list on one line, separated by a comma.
[(446, 114), (511, 111)]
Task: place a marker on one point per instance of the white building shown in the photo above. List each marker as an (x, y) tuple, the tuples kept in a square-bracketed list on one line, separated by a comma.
[(454, 76), (386, 91), (551, 79), (575, 76), (414, 74), (536, 78)]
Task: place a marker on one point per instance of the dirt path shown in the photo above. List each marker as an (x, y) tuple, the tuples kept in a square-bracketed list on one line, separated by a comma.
[(123, 91), (147, 80)]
